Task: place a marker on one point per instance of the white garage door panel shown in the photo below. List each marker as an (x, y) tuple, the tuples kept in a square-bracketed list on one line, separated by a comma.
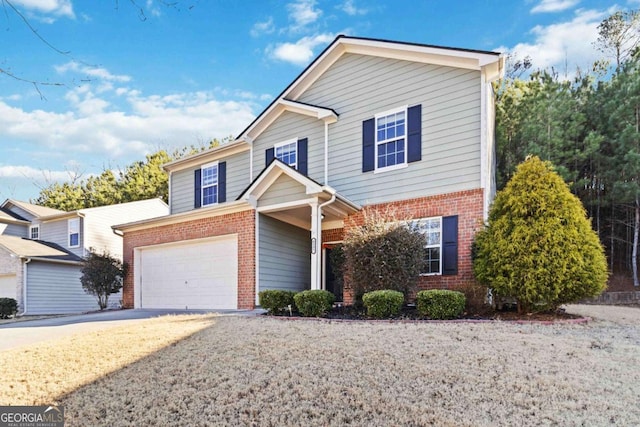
[(8, 286), (197, 275)]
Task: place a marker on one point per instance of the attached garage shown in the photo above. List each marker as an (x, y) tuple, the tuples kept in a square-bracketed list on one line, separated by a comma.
[(192, 274)]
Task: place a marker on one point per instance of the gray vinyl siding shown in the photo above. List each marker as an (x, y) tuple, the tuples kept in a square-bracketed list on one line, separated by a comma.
[(182, 182), (58, 232), (283, 190), (14, 230), (285, 261), (290, 126), (358, 86), (56, 289)]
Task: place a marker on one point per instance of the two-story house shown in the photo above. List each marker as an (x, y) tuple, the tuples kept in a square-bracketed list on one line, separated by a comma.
[(41, 251), (369, 124)]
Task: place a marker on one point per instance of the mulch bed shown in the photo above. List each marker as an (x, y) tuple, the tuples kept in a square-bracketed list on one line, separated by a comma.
[(409, 313)]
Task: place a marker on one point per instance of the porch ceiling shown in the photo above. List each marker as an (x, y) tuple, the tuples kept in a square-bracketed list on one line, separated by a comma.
[(333, 215)]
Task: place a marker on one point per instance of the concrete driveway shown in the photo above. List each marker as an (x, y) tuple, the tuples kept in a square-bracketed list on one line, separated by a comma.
[(18, 334)]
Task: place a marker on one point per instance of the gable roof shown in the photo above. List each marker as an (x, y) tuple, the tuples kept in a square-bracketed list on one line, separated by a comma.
[(35, 210), (37, 249), (491, 62), (81, 212), (9, 217), (277, 168)]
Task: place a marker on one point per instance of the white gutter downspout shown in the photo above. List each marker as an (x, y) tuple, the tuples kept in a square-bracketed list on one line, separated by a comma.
[(326, 155), (24, 283), (317, 273), (169, 190)]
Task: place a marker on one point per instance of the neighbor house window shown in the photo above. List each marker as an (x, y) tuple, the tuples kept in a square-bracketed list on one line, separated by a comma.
[(431, 228), (34, 232), (391, 139), (74, 232), (209, 184), (287, 152)]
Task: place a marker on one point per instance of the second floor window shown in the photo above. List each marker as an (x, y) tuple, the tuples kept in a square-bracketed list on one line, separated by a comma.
[(287, 152), (209, 184), (391, 144), (34, 232), (74, 232)]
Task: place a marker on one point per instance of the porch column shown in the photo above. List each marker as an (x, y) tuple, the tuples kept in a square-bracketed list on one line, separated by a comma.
[(316, 244)]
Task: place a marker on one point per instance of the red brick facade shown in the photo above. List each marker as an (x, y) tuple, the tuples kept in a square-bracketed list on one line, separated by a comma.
[(468, 205), (241, 223)]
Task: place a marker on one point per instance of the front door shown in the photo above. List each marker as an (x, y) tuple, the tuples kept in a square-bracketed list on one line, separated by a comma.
[(332, 283)]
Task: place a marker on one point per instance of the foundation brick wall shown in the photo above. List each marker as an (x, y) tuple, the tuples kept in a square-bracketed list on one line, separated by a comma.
[(240, 223), (467, 205)]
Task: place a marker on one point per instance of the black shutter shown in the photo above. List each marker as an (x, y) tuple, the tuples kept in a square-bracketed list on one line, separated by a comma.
[(368, 145), (269, 154), (302, 155), (197, 185), (222, 182), (450, 245), (414, 134)]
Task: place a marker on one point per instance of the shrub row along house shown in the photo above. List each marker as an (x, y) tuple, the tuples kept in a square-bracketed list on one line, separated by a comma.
[(368, 124), (41, 251)]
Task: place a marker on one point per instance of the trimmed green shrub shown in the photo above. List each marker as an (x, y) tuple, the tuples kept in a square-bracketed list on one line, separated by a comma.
[(383, 304), (276, 301), (8, 307), (314, 303), (385, 252), (440, 303), (538, 246)]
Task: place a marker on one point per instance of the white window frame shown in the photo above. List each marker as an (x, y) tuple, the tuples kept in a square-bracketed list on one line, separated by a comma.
[(404, 109), (70, 231), (35, 228), (427, 245), (293, 142), (215, 184)]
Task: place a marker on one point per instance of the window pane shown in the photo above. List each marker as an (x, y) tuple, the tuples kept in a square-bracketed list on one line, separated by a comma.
[(210, 175), (287, 154), (74, 239), (433, 260), (210, 195)]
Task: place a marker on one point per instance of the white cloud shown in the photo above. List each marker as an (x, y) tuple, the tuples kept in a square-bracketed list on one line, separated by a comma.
[(546, 6), (49, 7), (300, 52), (302, 13), (9, 171), (91, 72), (265, 27), (91, 130), (349, 7), (565, 45)]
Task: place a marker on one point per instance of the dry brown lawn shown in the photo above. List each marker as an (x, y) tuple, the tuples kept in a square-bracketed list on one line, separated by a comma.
[(263, 371)]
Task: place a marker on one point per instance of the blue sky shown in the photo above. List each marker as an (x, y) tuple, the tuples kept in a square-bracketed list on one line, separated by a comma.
[(127, 78)]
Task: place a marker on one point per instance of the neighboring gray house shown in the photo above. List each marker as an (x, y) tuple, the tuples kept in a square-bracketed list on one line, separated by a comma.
[(369, 124), (41, 250)]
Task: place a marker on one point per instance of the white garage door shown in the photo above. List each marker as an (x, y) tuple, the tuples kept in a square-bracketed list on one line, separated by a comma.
[(200, 274), (8, 286)]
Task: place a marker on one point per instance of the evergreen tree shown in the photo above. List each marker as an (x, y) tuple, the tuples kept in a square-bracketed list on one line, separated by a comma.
[(539, 246)]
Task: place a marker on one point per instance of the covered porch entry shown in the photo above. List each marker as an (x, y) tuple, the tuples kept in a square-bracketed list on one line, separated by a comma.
[(291, 212)]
